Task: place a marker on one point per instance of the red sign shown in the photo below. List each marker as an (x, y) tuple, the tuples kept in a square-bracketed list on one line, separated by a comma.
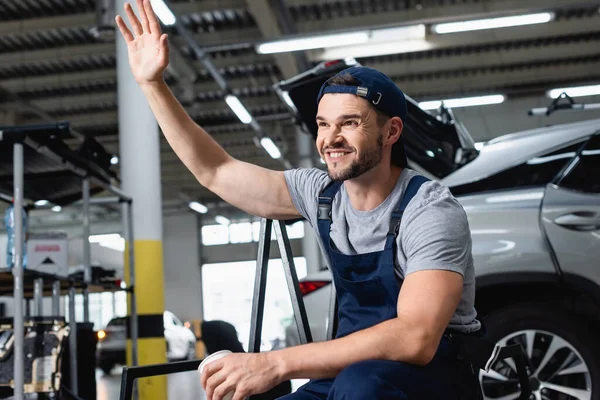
[(47, 247)]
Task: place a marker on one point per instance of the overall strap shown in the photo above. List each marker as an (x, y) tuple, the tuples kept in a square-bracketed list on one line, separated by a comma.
[(324, 211), (411, 190)]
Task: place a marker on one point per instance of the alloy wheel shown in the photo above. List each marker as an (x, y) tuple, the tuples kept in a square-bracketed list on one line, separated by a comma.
[(556, 370)]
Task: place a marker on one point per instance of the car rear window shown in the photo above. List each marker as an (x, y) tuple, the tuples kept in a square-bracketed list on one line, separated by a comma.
[(538, 170)]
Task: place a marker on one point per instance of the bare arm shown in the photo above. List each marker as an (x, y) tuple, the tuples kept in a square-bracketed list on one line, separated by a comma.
[(254, 189), (427, 301)]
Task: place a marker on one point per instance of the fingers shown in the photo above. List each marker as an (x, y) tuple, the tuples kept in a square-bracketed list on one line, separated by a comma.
[(209, 370), (164, 50), (143, 16), (124, 30), (213, 383), (133, 20), (151, 16), (227, 386)]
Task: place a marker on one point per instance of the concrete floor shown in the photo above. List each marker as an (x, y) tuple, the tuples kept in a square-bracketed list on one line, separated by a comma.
[(182, 386)]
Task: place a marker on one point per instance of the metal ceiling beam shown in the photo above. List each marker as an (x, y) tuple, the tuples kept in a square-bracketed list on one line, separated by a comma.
[(267, 23), (443, 13), (514, 34), (502, 58), (538, 79), (89, 19)]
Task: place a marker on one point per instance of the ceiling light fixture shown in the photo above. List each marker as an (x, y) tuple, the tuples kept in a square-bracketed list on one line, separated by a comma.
[(163, 12), (222, 220), (198, 207), (238, 108), (312, 42), (270, 147), (492, 23), (463, 102), (576, 91)]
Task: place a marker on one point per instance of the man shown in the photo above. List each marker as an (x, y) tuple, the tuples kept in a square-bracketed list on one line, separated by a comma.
[(381, 225)]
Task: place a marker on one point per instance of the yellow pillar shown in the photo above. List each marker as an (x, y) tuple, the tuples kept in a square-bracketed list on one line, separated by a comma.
[(139, 164)]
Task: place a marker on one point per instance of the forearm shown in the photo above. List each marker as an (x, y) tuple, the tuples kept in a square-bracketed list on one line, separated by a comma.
[(390, 340), (195, 147)]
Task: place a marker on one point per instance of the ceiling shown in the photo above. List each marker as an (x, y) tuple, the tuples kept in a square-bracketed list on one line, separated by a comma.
[(52, 67)]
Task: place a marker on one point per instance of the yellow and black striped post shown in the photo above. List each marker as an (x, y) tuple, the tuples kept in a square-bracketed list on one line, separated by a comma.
[(139, 162)]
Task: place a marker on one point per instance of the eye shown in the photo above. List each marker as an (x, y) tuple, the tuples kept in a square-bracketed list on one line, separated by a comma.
[(321, 124), (351, 122)]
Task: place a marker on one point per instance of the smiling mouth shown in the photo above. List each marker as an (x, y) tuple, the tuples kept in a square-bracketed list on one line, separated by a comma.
[(336, 155)]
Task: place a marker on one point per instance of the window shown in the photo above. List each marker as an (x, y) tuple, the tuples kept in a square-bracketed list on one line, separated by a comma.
[(228, 290), (215, 234), (240, 233), (539, 170), (585, 176), (244, 232)]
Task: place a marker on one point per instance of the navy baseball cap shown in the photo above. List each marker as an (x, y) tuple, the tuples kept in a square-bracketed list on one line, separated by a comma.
[(377, 88)]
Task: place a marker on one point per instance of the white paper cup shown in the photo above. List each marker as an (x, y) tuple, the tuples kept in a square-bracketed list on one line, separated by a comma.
[(211, 358)]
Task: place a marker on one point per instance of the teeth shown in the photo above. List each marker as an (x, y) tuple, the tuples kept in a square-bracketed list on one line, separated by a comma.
[(337, 154)]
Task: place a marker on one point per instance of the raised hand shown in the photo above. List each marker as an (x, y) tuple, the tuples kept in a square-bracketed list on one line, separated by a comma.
[(147, 48)]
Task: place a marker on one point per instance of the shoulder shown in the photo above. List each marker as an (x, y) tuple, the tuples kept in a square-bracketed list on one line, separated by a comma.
[(434, 203), (307, 179)]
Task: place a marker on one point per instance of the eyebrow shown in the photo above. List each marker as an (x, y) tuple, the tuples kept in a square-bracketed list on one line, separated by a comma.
[(341, 117)]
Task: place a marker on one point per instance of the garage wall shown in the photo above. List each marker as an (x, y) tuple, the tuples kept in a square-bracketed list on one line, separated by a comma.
[(182, 278), (487, 122)]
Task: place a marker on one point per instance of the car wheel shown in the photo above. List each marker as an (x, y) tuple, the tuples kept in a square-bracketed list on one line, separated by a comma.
[(191, 354), (561, 350)]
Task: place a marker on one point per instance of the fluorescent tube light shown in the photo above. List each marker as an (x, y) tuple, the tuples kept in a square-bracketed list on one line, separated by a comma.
[(163, 12), (576, 91), (463, 102), (270, 147), (222, 220), (199, 208), (238, 108), (41, 203), (56, 208), (492, 23), (312, 42), (402, 39), (376, 49)]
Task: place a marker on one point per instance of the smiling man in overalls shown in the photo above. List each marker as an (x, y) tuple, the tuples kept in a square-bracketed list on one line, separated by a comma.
[(398, 245)]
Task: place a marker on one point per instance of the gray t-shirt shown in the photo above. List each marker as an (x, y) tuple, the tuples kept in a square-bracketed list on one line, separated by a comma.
[(434, 232)]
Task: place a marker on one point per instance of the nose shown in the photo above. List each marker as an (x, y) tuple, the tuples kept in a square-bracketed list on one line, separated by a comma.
[(332, 138)]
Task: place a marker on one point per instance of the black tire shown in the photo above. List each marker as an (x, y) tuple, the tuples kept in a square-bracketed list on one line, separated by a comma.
[(106, 367), (542, 317)]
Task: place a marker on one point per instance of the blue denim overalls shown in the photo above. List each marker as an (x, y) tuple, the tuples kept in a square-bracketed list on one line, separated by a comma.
[(367, 291)]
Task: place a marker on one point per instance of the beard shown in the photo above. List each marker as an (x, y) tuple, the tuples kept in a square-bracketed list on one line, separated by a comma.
[(370, 159)]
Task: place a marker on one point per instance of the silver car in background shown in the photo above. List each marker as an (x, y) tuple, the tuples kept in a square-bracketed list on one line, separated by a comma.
[(533, 204)]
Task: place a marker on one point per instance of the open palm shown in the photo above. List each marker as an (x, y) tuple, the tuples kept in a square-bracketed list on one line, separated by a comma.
[(147, 48)]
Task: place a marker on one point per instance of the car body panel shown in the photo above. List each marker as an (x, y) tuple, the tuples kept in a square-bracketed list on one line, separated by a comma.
[(506, 233), (513, 149), (317, 311), (178, 336), (577, 251)]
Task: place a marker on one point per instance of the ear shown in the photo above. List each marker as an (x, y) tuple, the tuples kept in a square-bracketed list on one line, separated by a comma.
[(395, 127)]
